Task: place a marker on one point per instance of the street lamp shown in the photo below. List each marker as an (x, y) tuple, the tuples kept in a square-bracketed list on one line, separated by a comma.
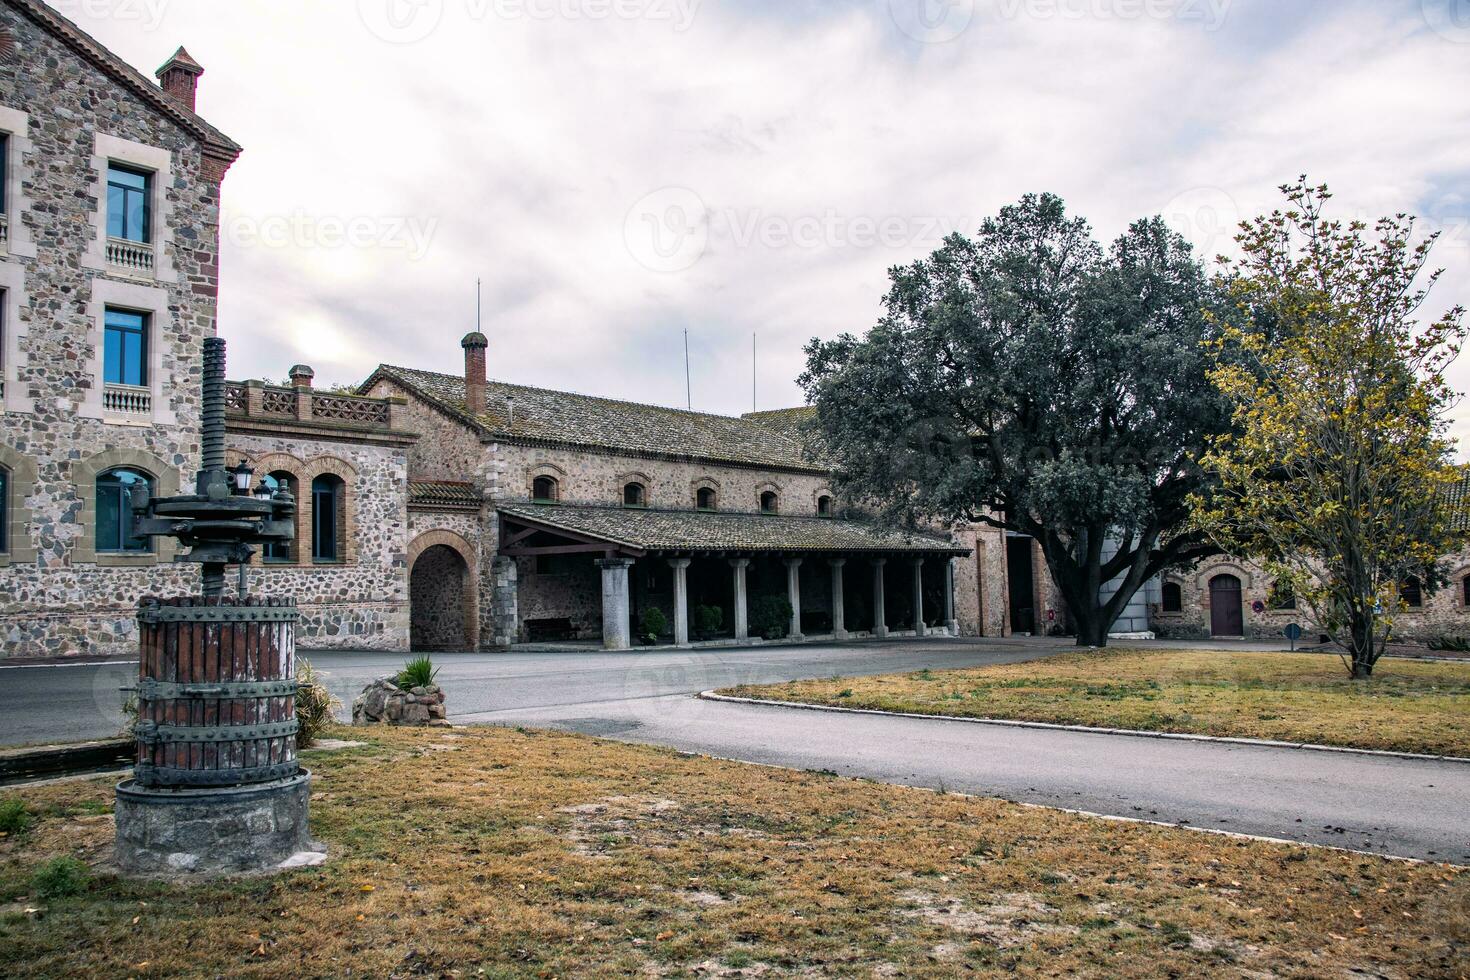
[(263, 490), (242, 472)]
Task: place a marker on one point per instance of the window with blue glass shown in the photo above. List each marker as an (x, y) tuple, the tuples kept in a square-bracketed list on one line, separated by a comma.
[(115, 513), (125, 348), (129, 210), (4, 171), (326, 518), (4, 511), (278, 551)]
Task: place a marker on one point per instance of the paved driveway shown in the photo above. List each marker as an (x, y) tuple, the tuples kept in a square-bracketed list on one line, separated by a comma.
[(1392, 806)]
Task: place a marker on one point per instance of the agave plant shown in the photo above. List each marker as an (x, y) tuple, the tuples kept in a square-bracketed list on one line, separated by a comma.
[(315, 706)]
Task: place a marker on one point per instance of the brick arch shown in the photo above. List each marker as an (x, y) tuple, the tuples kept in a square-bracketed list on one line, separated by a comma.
[(84, 483), (1246, 576), (555, 472), (347, 473), (20, 486), (470, 601), (768, 487), (704, 483), (621, 481)]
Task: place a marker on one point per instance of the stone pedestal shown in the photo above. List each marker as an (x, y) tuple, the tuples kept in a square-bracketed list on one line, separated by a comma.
[(212, 830)]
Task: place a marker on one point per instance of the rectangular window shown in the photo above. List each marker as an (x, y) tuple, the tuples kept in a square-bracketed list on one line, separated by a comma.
[(324, 522), (125, 348), (4, 171), (4, 512), (129, 208)]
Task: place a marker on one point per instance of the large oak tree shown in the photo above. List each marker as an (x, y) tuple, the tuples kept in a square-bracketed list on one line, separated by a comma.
[(1031, 380)]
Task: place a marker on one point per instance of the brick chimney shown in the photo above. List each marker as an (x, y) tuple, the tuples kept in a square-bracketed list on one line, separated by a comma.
[(474, 345), (301, 376), (179, 77)]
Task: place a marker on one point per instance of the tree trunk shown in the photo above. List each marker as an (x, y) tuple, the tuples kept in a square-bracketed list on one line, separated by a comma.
[(1092, 631)]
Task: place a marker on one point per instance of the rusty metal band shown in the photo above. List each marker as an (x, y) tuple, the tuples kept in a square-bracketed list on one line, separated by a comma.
[(218, 614), (152, 733), (152, 690)]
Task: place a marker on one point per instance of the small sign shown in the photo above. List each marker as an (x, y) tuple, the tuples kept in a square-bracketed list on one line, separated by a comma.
[(1051, 615), (1293, 632), (1258, 606)]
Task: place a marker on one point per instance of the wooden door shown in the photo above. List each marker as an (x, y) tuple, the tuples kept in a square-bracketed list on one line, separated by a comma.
[(1227, 618)]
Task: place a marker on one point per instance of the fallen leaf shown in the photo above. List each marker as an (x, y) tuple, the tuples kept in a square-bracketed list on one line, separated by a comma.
[(664, 935), (368, 888)]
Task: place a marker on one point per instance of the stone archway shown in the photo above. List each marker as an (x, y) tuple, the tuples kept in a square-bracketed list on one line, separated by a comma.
[(443, 596)]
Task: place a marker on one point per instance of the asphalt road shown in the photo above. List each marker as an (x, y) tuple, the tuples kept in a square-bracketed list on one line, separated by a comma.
[(1408, 808)]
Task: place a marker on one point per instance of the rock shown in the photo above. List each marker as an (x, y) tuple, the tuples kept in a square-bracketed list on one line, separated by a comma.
[(384, 702)]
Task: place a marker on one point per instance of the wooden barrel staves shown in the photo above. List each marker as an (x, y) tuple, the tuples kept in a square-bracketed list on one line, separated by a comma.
[(216, 691)]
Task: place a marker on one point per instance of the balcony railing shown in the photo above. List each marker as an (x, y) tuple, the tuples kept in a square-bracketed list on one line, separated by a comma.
[(256, 400), (129, 257), (4, 230), (127, 399)]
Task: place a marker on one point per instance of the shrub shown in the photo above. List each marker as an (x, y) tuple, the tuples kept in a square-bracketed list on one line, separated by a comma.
[(654, 624), (14, 818), (61, 877), (1450, 644), (708, 619), (315, 705), (418, 672), (770, 617)]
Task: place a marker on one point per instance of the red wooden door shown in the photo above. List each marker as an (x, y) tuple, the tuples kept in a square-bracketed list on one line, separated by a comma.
[(1227, 618)]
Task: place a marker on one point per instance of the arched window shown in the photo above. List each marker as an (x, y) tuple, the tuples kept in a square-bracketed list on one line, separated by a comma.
[(280, 551), (115, 512), (824, 506), (634, 495), (4, 511), (328, 518), (770, 503), (1411, 592), (1173, 598), (544, 489), (704, 499)]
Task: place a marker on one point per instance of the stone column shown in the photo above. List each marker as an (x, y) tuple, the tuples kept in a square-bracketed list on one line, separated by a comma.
[(793, 593), (880, 614), (681, 600), (742, 617), (919, 597), (950, 623), (615, 632), (839, 612)]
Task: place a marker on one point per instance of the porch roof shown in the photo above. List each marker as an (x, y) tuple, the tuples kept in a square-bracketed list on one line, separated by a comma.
[(689, 532)]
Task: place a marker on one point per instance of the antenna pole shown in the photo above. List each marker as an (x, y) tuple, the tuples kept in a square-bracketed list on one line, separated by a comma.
[(752, 371), (688, 387), (477, 304)]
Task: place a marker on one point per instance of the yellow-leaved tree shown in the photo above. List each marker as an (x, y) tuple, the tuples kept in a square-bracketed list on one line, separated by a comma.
[(1334, 475)]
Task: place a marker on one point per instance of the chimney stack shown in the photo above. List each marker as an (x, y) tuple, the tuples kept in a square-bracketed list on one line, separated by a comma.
[(179, 77), (474, 345), (301, 376)]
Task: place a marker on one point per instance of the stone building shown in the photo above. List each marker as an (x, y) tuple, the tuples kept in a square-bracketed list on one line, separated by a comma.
[(109, 273)]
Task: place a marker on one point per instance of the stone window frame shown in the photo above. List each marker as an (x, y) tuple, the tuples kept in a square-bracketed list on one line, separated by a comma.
[(140, 298), (621, 483), (704, 483), (305, 516), (14, 300), (84, 484), (21, 485), (110, 149), (455, 542), (1459, 577), (556, 473), (1163, 610), (278, 462), (17, 126), (760, 491), (817, 495)]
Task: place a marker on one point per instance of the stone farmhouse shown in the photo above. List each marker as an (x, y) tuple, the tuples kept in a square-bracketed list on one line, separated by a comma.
[(434, 511)]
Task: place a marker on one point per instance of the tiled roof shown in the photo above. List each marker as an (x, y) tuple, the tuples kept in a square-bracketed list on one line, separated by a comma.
[(676, 530), (790, 422), (565, 418), (443, 493), (1457, 499)]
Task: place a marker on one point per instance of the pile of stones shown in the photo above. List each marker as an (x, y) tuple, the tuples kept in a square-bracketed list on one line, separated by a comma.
[(383, 702)]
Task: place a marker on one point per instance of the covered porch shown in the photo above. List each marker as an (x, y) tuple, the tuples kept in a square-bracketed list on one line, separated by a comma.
[(696, 578)]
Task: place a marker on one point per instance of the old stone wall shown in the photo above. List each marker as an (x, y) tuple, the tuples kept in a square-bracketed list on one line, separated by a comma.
[(58, 597), (359, 601), (446, 449)]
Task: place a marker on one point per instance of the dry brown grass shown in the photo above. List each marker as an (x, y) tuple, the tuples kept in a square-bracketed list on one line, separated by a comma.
[(505, 853), (1409, 706)]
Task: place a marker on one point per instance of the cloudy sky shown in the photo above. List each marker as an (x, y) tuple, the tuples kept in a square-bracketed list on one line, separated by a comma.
[(619, 171)]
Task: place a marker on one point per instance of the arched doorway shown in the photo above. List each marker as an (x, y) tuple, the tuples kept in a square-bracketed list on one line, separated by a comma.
[(441, 601), (1227, 618)]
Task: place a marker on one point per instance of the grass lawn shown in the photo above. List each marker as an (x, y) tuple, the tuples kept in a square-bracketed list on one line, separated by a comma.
[(493, 852), (1409, 706)]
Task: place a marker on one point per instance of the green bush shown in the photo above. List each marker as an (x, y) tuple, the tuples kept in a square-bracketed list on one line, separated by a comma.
[(1450, 644), (315, 705), (418, 672), (708, 619), (770, 617), (13, 816), (61, 877), (654, 624)]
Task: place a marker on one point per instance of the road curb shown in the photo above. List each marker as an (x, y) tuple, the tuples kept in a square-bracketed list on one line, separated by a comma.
[(1088, 730)]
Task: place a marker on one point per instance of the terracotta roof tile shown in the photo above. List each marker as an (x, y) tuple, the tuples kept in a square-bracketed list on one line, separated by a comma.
[(443, 493)]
